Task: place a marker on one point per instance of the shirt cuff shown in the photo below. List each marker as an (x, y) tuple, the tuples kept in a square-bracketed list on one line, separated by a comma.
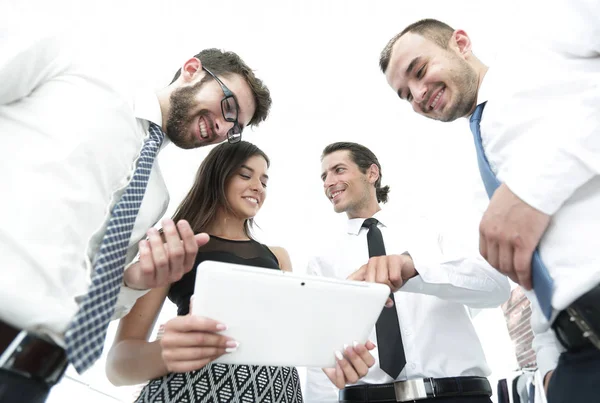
[(127, 298)]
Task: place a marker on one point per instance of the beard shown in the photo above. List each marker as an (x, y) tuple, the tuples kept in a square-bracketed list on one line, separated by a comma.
[(465, 93), (183, 102)]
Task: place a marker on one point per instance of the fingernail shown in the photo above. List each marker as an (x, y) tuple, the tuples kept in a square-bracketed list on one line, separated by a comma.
[(339, 355), (345, 347), (233, 346), (221, 326), (355, 343)]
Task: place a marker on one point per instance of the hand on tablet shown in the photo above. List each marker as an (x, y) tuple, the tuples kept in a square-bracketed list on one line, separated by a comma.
[(392, 270), (165, 258), (190, 342), (352, 365)]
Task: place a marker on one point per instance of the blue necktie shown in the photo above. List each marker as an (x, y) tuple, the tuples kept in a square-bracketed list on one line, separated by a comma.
[(86, 333), (543, 284)]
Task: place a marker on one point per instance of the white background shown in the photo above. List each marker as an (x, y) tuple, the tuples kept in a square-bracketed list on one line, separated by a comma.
[(320, 61)]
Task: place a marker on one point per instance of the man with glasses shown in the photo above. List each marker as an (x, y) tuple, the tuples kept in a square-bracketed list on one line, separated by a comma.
[(78, 158)]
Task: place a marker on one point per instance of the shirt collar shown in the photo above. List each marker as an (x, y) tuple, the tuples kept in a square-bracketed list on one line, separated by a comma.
[(146, 107), (486, 88), (355, 224)]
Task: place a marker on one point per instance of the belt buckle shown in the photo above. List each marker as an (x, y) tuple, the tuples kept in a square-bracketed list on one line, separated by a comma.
[(587, 330), (413, 389), (9, 360)]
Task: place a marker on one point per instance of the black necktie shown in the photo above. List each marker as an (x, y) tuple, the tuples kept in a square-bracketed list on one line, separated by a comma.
[(389, 339)]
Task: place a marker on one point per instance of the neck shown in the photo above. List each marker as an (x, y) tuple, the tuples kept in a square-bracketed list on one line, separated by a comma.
[(481, 70), (366, 211), (227, 226), (164, 100)]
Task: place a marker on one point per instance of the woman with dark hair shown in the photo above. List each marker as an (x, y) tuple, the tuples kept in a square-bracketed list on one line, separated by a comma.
[(229, 190)]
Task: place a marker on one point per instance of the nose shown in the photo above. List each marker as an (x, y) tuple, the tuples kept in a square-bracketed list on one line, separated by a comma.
[(222, 127), (256, 185), (328, 182), (418, 91)]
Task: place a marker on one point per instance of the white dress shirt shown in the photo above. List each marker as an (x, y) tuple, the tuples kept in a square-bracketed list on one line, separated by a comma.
[(438, 335), (541, 134), (70, 142)]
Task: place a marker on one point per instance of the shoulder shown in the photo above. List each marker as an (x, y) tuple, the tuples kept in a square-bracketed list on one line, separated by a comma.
[(282, 256)]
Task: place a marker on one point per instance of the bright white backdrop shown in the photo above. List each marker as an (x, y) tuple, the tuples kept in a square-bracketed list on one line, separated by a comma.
[(320, 60)]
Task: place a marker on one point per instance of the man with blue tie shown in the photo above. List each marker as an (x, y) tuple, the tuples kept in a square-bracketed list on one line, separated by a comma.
[(79, 157), (535, 121)]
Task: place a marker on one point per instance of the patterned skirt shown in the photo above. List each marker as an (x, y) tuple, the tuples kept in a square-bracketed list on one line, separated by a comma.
[(217, 383)]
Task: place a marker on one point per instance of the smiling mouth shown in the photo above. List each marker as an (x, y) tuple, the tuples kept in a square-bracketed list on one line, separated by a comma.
[(202, 125), (334, 195), (252, 199), (437, 98)]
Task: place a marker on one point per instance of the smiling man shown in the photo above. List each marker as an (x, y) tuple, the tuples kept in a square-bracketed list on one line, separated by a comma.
[(535, 120), (426, 339), (85, 191)]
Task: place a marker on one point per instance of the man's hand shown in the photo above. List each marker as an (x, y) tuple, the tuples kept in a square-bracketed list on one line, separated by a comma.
[(392, 270), (164, 259), (509, 232), (352, 365), (190, 342)]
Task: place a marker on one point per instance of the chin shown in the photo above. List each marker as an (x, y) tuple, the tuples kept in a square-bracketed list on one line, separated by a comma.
[(338, 208)]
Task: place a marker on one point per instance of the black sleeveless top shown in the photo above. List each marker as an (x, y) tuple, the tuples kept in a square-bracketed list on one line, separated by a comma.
[(248, 252)]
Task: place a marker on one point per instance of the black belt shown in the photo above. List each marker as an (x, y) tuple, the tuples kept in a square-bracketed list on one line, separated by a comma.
[(578, 326), (417, 389), (30, 355)]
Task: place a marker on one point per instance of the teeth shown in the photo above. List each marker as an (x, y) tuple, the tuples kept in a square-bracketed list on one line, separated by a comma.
[(437, 98), (252, 199), (203, 130), (334, 194)]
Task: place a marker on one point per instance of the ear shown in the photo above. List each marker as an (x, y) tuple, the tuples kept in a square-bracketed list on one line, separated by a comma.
[(191, 70), (461, 43), (373, 173)]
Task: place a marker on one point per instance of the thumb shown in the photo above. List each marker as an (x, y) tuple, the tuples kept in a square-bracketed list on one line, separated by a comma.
[(201, 239), (389, 303)]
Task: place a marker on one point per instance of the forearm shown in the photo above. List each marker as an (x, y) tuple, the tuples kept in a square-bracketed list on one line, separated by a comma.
[(469, 281), (132, 362)]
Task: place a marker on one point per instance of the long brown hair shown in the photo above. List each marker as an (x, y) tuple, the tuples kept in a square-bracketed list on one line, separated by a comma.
[(201, 204)]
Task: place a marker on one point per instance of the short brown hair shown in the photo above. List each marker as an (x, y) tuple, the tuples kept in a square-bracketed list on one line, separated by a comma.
[(436, 31), (364, 158), (223, 63)]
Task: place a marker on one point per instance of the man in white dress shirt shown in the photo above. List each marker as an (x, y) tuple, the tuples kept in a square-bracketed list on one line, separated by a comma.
[(540, 133), (71, 140), (433, 279)]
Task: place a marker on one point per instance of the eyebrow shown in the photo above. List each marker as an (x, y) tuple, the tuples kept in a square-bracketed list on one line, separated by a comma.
[(409, 70), (252, 170), (333, 168)]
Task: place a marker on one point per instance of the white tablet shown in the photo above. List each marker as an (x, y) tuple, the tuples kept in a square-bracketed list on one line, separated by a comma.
[(284, 319)]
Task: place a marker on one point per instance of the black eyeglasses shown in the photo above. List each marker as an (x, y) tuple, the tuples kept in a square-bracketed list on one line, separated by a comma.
[(229, 108)]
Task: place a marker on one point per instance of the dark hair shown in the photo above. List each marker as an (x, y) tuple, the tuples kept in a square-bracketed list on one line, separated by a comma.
[(223, 63), (364, 158), (200, 205), (436, 31)]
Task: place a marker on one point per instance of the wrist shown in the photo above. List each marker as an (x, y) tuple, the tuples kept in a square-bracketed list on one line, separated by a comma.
[(412, 269)]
